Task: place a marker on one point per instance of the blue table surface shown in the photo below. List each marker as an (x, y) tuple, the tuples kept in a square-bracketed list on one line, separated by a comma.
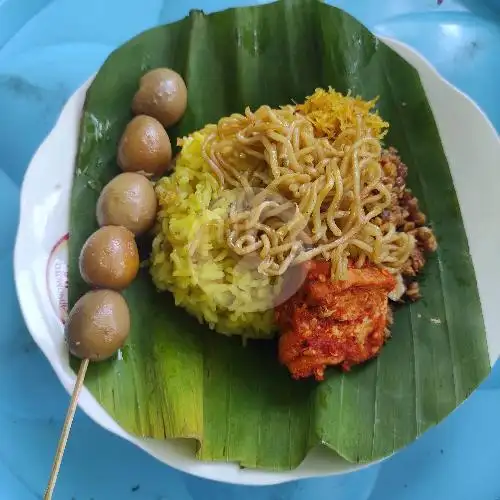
[(47, 49)]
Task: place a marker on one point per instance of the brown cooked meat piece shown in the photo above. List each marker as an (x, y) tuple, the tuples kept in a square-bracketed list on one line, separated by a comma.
[(406, 215)]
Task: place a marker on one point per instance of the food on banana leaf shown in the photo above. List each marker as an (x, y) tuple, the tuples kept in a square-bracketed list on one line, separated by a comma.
[(128, 200), (98, 325), (162, 94), (176, 378), (109, 258), (99, 322), (307, 185), (144, 147)]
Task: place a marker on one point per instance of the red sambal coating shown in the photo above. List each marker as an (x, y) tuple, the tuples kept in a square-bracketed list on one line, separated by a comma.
[(327, 323)]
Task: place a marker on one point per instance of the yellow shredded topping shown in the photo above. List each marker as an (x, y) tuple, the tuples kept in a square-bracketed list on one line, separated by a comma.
[(332, 113)]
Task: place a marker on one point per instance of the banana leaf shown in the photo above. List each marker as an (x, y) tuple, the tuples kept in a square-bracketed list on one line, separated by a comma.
[(177, 379)]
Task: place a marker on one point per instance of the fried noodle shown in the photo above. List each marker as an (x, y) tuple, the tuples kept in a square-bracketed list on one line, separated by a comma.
[(307, 192)]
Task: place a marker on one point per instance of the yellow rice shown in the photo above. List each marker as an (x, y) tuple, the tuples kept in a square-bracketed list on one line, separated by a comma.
[(190, 257)]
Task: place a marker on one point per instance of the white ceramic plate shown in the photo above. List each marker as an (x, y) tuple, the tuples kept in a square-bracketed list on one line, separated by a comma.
[(473, 151)]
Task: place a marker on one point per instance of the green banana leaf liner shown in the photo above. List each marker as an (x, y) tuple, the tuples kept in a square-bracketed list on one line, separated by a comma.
[(178, 379)]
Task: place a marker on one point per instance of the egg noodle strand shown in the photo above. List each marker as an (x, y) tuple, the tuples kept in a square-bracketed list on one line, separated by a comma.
[(304, 194)]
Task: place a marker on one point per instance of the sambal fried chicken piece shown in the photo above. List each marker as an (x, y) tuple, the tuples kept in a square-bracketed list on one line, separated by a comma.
[(334, 323)]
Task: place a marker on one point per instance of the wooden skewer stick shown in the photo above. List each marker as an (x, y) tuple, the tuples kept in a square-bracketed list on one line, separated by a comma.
[(65, 430)]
